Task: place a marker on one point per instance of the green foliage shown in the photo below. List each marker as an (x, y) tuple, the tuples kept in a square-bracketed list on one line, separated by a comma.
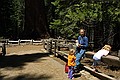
[(56, 3), (12, 12), (70, 16), (17, 16)]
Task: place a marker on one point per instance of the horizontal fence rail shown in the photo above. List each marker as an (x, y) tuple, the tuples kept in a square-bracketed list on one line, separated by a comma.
[(54, 46), (23, 41)]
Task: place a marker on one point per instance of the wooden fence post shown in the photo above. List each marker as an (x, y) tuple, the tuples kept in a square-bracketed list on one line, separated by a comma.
[(119, 54), (50, 50), (55, 48), (70, 46), (4, 49), (32, 41), (58, 47), (48, 47), (43, 43), (7, 42), (65, 41), (18, 41)]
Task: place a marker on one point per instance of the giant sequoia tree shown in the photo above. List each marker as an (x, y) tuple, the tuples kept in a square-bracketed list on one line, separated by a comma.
[(23, 19), (32, 18), (35, 19)]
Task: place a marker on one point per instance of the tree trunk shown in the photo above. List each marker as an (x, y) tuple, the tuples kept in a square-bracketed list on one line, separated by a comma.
[(35, 19)]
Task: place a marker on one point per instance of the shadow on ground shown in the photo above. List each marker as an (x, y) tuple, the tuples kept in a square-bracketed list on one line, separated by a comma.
[(18, 61), (89, 62), (27, 77)]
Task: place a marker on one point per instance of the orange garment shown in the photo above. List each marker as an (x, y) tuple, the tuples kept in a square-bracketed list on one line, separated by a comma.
[(71, 60)]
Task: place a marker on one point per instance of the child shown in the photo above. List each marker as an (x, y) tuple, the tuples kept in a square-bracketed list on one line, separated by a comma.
[(71, 63), (97, 56)]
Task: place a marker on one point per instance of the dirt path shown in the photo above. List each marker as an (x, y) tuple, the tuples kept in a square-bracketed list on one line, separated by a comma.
[(30, 63), (103, 68)]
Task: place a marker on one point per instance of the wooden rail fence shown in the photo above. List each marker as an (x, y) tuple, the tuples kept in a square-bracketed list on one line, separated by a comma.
[(54, 45), (4, 42)]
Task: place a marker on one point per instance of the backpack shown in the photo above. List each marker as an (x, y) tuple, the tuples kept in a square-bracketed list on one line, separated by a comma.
[(66, 68)]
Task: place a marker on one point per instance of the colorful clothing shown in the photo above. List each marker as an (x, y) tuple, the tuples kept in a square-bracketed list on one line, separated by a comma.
[(97, 56), (100, 53), (71, 64), (71, 60), (71, 72), (80, 51)]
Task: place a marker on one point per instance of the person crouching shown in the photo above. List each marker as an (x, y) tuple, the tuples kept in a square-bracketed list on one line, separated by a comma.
[(71, 63), (97, 56)]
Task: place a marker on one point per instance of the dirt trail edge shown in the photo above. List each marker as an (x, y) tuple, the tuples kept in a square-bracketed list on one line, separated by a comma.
[(31, 63)]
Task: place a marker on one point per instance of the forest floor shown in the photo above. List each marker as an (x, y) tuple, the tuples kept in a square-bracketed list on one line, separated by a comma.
[(103, 68), (29, 62)]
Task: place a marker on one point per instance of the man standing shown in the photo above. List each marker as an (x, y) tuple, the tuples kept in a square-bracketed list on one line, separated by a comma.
[(81, 47)]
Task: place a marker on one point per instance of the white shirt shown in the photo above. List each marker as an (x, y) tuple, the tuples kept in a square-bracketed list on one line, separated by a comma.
[(100, 53), (76, 42)]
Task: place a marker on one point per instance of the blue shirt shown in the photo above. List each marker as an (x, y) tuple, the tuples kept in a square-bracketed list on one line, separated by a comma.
[(83, 41)]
